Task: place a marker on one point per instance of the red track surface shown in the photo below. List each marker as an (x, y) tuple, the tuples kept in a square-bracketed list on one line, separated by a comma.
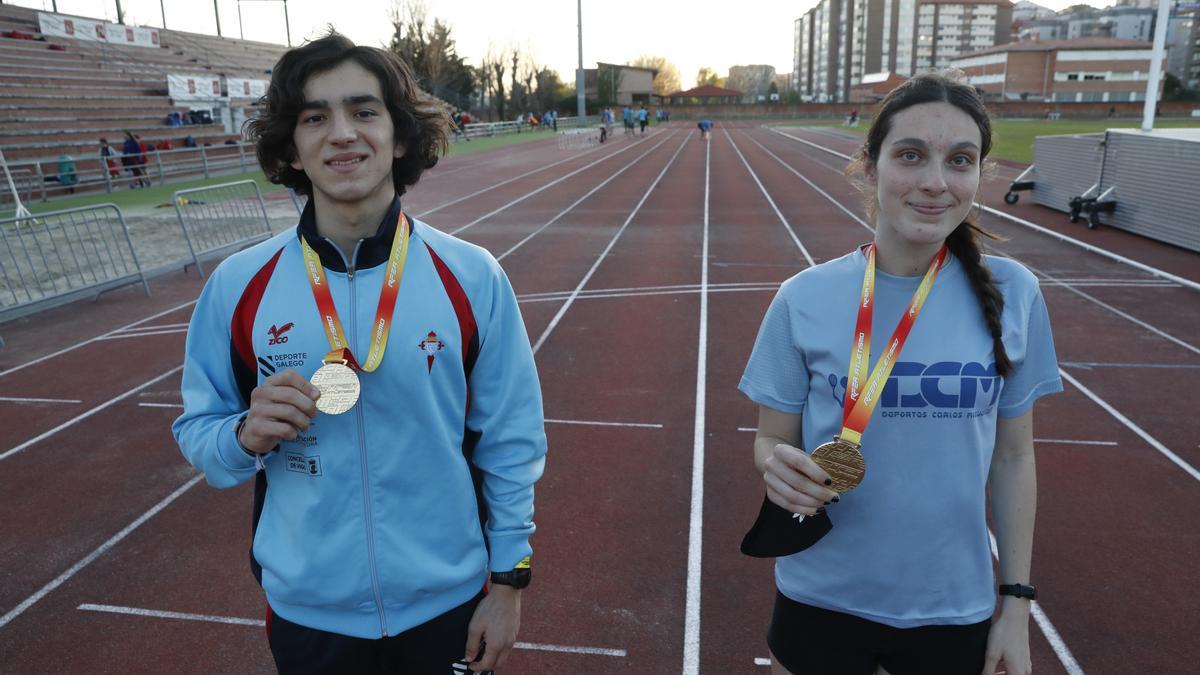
[(1116, 539)]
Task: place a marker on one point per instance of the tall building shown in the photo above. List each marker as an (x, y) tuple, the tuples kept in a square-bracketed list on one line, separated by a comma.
[(839, 42)]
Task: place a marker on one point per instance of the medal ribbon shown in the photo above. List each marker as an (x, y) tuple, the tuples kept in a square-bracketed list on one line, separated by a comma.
[(860, 403), (381, 327)]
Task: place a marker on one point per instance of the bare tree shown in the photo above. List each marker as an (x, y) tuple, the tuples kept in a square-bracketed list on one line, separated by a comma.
[(666, 81)]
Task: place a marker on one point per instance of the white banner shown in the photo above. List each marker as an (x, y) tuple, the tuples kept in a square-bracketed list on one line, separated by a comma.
[(240, 88), (93, 30), (132, 36), (74, 27), (193, 87)]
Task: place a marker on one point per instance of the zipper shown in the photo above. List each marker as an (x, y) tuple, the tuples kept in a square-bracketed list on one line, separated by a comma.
[(376, 587)]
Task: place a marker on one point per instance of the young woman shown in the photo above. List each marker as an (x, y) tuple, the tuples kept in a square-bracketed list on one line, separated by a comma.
[(903, 580)]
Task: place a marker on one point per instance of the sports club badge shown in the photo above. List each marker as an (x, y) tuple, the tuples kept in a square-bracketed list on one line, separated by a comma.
[(431, 345)]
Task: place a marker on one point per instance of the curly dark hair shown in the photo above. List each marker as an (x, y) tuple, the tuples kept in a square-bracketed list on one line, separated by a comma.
[(420, 125)]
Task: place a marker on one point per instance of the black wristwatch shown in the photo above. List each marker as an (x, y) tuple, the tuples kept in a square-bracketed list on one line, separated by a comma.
[(1019, 591), (518, 578)]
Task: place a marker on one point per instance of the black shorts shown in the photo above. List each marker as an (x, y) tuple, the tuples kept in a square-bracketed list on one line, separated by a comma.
[(435, 647), (810, 640)]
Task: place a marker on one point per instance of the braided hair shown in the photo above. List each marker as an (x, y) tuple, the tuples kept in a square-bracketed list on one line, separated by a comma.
[(963, 242)]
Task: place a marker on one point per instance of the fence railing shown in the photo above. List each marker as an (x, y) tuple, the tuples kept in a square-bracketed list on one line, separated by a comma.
[(46, 179), (220, 218), (53, 258), (488, 129)]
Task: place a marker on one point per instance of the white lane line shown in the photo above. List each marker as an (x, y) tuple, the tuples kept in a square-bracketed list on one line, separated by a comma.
[(1179, 461), (1034, 226), (125, 336), (762, 662), (577, 202), (1056, 642), (259, 623), (505, 182), (599, 296), (547, 186), (1065, 441), (160, 405), (811, 184), (649, 288), (17, 399), (93, 411), (639, 425), (93, 339), (101, 550), (786, 225), (182, 616), (583, 282), (750, 429), (165, 326), (691, 625)]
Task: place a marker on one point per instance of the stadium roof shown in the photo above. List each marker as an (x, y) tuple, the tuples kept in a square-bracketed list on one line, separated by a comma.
[(707, 90)]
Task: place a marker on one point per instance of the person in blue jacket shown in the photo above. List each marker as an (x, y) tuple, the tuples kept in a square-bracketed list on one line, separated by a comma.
[(373, 377)]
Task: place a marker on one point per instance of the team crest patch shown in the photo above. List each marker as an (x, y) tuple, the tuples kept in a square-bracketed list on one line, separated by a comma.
[(431, 345), (298, 463)]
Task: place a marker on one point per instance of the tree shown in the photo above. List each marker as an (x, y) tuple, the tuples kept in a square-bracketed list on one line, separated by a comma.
[(709, 76), (1175, 90), (430, 51), (666, 81), (608, 83)]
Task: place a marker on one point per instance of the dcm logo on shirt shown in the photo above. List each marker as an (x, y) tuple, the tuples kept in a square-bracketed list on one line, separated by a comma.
[(945, 385)]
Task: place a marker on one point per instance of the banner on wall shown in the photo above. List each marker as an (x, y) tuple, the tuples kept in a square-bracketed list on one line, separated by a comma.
[(193, 87), (74, 27), (94, 30), (241, 88)]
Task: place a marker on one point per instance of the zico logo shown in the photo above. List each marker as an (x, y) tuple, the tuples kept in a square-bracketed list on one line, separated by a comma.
[(945, 384), (277, 334)]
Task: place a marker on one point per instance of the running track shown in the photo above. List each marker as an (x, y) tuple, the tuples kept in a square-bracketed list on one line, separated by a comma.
[(643, 268)]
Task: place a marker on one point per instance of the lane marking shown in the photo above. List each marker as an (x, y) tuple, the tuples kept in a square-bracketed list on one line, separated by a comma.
[(1034, 226), (577, 202), (259, 623), (93, 339), (547, 186), (101, 550), (1088, 365), (17, 399), (1066, 441), (598, 296), (786, 225), (125, 336), (161, 405), (583, 282), (1179, 461), (639, 425), (79, 418), (691, 626), (762, 662), (165, 326)]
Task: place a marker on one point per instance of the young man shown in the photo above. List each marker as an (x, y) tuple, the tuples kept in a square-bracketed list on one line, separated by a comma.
[(374, 377)]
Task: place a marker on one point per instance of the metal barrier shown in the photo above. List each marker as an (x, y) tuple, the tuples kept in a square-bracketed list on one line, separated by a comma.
[(53, 258), (577, 139), (221, 218)]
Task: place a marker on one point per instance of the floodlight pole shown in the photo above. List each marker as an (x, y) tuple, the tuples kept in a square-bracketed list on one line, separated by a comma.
[(287, 24), (579, 86), (217, 13), (1156, 59), (163, 9)]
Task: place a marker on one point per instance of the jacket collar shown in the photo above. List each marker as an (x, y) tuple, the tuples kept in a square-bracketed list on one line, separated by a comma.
[(373, 251)]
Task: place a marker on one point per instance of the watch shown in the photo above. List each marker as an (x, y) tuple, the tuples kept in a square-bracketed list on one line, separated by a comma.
[(518, 578), (1019, 591)]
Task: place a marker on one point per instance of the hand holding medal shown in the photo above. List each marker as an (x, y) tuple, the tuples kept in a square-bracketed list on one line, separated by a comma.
[(337, 379)]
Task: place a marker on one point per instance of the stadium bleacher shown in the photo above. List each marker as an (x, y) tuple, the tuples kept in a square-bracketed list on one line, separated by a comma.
[(59, 96)]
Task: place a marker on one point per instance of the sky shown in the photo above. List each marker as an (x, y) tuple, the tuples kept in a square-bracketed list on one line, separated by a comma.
[(689, 34)]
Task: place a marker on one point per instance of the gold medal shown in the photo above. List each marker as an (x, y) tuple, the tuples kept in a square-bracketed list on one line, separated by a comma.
[(339, 388), (844, 463)]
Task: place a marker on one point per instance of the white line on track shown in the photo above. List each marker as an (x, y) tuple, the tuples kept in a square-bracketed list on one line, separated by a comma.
[(640, 425), (165, 326), (762, 662), (577, 202), (1038, 228), (259, 623), (93, 339), (1154, 443), (101, 550), (691, 624), (771, 288), (161, 405), (506, 182), (786, 225), (78, 418), (1066, 441), (17, 399), (547, 186), (583, 282), (126, 336)]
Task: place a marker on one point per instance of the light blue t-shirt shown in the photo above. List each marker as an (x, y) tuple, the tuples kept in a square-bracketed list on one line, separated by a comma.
[(909, 546)]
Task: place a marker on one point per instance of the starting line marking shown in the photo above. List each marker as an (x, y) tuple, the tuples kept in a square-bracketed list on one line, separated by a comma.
[(640, 425), (17, 399), (259, 623)]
